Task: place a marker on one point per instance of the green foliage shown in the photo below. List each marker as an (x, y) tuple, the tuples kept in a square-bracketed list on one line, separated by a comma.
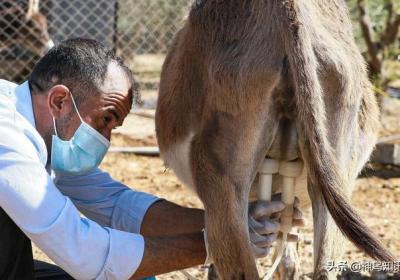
[(378, 15)]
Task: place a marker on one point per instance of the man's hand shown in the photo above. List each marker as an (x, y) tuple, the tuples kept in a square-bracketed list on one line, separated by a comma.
[(264, 224), (174, 239)]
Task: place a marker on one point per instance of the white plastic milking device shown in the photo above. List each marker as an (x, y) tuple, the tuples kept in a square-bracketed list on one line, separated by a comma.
[(268, 169), (289, 170)]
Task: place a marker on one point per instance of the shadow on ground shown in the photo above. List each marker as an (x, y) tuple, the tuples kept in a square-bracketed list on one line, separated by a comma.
[(381, 171)]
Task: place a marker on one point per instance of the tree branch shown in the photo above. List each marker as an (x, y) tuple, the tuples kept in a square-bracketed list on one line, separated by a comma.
[(391, 31), (375, 62)]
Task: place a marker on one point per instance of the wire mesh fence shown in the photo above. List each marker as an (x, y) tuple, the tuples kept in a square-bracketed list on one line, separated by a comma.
[(131, 27)]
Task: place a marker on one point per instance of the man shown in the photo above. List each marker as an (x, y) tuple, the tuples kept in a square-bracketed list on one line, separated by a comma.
[(55, 130)]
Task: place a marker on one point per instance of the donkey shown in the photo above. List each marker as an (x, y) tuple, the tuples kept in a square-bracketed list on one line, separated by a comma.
[(27, 28), (240, 77)]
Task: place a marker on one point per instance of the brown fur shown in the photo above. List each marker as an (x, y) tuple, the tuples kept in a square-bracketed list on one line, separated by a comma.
[(25, 27), (239, 75)]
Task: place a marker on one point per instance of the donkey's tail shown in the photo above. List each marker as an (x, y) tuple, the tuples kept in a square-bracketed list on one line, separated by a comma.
[(321, 162)]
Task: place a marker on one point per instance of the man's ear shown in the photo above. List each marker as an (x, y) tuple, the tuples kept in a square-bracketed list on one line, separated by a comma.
[(59, 101)]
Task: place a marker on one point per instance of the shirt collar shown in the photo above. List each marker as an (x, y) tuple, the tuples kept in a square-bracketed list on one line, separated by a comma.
[(23, 105), (23, 102)]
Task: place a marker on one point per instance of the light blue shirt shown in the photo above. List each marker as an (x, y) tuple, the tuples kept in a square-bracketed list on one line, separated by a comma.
[(45, 206)]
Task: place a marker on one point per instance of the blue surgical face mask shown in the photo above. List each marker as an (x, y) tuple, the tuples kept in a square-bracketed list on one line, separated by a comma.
[(82, 153)]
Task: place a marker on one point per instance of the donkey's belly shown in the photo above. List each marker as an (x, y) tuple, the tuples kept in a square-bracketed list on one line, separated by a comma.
[(177, 157)]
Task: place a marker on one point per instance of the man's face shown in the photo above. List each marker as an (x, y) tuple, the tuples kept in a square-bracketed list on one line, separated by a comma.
[(103, 112)]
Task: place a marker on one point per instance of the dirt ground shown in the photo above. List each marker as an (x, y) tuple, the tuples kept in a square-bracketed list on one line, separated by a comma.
[(377, 199)]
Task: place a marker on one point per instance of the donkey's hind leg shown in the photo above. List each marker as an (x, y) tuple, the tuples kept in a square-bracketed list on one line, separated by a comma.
[(225, 157)]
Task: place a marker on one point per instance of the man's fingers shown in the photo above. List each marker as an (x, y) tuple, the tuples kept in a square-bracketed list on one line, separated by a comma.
[(260, 252), (263, 240), (269, 226), (297, 213), (296, 202), (278, 196), (275, 216), (272, 209), (298, 220), (266, 209), (299, 223), (269, 240), (264, 227), (292, 237)]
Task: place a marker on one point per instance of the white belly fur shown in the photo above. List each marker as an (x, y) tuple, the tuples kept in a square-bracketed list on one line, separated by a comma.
[(177, 157)]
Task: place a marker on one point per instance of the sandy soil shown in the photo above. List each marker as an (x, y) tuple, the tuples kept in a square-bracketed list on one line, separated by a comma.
[(376, 199)]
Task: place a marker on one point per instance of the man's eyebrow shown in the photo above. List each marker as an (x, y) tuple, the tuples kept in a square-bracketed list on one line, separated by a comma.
[(114, 112)]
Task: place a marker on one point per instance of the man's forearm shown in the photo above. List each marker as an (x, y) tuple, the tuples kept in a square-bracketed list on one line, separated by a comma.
[(171, 253), (165, 218)]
